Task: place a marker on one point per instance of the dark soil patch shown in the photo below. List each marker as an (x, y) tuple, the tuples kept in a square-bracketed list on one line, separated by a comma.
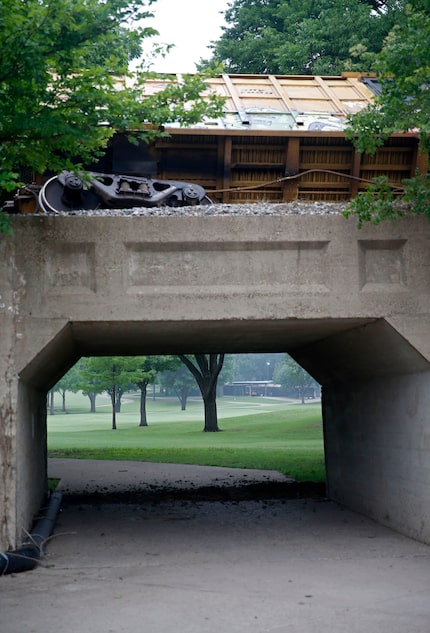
[(243, 492)]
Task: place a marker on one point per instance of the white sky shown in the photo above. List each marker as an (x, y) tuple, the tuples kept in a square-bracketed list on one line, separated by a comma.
[(188, 24)]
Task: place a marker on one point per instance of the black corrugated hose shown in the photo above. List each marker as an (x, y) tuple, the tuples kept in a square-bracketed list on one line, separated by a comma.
[(27, 556)]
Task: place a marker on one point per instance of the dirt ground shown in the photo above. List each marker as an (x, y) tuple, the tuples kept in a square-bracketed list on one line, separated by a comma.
[(299, 565)]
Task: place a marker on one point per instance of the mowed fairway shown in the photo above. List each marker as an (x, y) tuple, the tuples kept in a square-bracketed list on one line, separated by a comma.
[(266, 433)]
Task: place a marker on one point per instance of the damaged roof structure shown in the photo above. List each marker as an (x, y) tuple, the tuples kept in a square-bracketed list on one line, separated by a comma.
[(295, 102)]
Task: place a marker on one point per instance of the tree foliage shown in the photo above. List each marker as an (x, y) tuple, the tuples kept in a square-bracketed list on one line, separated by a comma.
[(321, 37), (113, 374), (66, 87), (403, 68), (182, 382), (86, 380), (290, 374), (67, 383)]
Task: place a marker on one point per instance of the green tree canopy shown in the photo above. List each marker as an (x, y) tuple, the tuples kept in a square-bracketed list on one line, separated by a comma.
[(66, 87), (181, 381), (112, 374), (320, 37), (86, 380), (68, 382), (403, 68), (291, 375)]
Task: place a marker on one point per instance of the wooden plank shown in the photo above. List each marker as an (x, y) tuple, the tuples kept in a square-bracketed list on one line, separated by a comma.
[(259, 146), (236, 100), (292, 167), (325, 148), (227, 169), (318, 184), (385, 168), (221, 161), (355, 172), (343, 166), (281, 93), (330, 94), (349, 89)]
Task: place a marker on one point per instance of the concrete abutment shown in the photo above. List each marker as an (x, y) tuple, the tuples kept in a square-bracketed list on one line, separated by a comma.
[(353, 307), (377, 450)]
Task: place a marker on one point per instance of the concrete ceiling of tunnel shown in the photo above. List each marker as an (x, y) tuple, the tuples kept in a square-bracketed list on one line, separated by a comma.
[(229, 336), (329, 349), (371, 351)]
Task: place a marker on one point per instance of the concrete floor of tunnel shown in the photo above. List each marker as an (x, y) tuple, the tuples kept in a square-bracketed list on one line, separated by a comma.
[(267, 565)]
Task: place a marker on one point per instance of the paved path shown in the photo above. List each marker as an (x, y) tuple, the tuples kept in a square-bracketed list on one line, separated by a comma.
[(86, 477), (267, 566)]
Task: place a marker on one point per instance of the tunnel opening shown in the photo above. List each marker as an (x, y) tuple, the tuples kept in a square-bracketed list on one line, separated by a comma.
[(374, 399), (264, 425)]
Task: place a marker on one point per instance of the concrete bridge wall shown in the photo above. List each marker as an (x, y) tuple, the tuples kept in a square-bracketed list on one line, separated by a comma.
[(352, 306)]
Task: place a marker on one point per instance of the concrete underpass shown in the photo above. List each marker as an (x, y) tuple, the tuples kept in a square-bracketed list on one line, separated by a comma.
[(351, 306)]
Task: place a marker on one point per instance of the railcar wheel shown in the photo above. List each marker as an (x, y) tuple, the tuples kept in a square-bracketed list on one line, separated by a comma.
[(55, 197)]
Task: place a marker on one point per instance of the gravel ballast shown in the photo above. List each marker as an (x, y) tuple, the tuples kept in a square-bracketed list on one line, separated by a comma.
[(250, 209)]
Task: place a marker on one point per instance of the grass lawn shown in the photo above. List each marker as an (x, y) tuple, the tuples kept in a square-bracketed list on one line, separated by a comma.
[(265, 433)]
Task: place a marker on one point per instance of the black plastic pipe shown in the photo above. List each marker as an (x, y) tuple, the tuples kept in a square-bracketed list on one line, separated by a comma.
[(27, 556)]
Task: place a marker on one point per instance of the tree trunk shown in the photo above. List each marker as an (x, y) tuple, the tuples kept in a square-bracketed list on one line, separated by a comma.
[(143, 388), (64, 401), (113, 397), (206, 373), (51, 402), (302, 394), (92, 397), (211, 416), (183, 397), (118, 402)]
